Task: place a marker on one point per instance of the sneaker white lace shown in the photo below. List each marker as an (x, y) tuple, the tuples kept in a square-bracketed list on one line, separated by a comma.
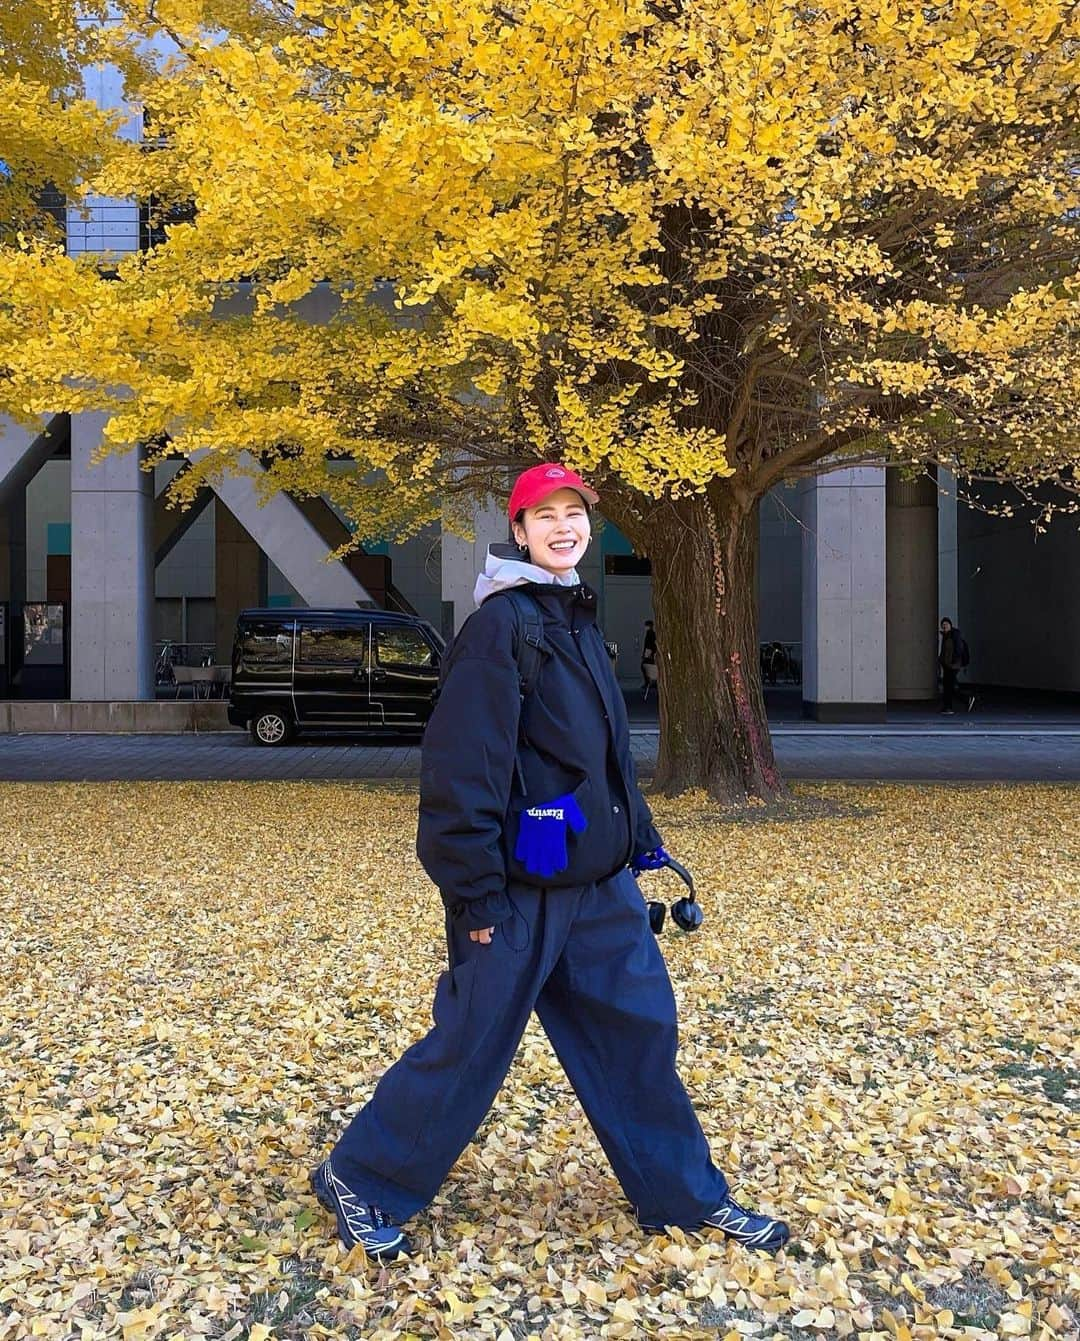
[(746, 1227), (360, 1221)]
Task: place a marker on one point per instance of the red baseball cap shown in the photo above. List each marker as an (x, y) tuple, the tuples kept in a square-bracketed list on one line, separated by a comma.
[(532, 486)]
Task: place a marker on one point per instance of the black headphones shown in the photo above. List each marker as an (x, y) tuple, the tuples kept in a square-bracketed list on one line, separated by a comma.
[(685, 912)]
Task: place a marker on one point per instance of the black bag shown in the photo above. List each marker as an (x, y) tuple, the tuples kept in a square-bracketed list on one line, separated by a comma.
[(528, 641), (528, 637)]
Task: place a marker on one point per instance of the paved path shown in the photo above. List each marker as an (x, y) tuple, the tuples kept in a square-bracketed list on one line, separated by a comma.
[(962, 752)]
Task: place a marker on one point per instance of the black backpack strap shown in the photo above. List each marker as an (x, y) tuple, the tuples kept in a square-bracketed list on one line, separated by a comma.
[(528, 638), (528, 651)]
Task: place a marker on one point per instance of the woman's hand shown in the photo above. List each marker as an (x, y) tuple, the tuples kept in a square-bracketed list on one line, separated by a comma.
[(484, 937)]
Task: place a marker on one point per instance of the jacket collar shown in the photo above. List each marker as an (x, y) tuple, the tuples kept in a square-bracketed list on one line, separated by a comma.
[(505, 568), (572, 606), (564, 599)]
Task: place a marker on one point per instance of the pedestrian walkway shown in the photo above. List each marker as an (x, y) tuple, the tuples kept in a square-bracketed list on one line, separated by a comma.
[(996, 708), (994, 753)]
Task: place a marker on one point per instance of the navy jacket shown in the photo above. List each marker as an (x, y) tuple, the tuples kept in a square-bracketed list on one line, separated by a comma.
[(487, 756)]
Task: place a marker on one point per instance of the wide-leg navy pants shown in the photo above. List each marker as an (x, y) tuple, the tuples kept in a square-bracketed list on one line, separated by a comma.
[(587, 962)]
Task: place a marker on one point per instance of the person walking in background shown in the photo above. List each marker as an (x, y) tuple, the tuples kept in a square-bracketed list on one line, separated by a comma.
[(649, 670), (952, 658)]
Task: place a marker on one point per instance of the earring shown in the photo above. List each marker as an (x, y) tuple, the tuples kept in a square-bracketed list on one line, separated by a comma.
[(523, 549)]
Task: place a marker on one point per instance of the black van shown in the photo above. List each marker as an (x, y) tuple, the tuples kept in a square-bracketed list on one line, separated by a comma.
[(331, 670)]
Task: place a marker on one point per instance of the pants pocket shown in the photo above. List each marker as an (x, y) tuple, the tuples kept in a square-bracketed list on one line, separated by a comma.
[(514, 930), (451, 1009)]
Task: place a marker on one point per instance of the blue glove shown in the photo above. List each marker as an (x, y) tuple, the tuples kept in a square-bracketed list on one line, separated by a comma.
[(655, 860), (541, 840)]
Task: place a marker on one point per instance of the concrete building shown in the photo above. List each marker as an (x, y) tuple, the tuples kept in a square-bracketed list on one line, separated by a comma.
[(855, 568)]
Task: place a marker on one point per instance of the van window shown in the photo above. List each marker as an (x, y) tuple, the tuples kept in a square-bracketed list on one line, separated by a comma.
[(402, 646), (266, 644), (334, 647)]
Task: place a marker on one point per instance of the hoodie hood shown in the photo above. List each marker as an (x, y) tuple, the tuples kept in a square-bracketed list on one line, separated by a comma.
[(504, 567)]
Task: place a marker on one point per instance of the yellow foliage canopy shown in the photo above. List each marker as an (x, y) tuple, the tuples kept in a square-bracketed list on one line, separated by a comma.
[(49, 133), (672, 244)]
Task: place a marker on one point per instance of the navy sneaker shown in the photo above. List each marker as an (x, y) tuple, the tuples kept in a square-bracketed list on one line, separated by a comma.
[(357, 1221), (748, 1228)]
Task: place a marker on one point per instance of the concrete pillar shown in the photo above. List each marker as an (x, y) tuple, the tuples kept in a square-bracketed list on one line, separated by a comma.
[(112, 570), (463, 559), (948, 580), (843, 596), (239, 577), (911, 568)]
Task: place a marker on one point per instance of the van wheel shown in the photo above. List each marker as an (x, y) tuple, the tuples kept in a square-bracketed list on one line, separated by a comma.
[(271, 727)]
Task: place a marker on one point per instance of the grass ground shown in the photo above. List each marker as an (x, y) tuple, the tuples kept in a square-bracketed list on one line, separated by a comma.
[(200, 983)]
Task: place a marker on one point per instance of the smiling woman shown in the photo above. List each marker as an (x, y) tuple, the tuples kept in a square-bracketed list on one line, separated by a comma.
[(549, 508), (533, 828), (555, 534)]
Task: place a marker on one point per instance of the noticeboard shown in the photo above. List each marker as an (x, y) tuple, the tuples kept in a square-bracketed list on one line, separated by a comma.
[(43, 634)]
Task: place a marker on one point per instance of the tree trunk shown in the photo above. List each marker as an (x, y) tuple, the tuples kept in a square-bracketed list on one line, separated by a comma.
[(713, 730)]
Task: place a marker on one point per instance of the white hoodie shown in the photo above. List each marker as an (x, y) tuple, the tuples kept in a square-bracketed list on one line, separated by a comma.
[(504, 567)]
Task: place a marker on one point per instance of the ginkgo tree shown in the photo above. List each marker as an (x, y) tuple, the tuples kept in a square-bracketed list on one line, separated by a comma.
[(693, 250), (50, 134)]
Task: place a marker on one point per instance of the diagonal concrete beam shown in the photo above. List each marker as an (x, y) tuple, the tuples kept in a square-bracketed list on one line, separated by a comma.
[(24, 451), (172, 524), (370, 570), (291, 542)]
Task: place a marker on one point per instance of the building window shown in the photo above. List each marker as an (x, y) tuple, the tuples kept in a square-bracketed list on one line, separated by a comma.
[(53, 204), (626, 565), (156, 218)]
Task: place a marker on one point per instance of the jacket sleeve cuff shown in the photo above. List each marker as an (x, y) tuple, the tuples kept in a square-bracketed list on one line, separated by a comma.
[(647, 839), (476, 914)]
